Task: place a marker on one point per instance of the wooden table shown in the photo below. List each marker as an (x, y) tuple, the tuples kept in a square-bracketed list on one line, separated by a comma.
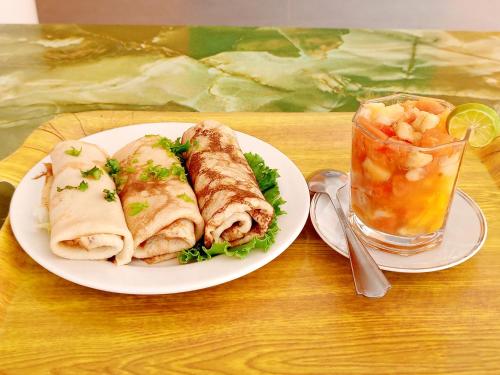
[(297, 315)]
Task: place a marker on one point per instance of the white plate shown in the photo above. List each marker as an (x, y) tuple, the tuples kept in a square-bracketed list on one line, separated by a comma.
[(464, 235), (169, 276)]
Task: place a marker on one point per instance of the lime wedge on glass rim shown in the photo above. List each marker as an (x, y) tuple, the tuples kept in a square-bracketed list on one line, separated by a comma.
[(483, 121)]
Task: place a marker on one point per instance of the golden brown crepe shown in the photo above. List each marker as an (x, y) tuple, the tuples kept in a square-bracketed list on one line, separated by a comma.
[(84, 225), (229, 197), (160, 207)]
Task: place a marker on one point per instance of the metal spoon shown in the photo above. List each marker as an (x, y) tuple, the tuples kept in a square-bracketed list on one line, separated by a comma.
[(368, 278)]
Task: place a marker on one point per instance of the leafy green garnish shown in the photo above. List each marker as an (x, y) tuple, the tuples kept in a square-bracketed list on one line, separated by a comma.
[(73, 151), (199, 253), (155, 172), (112, 166), (136, 207), (266, 177), (186, 198), (268, 184), (109, 195), (93, 172), (176, 146), (130, 169), (82, 187), (178, 170)]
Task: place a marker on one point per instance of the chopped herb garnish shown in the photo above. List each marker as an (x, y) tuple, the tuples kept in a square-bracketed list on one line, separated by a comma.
[(94, 173), (186, 198), (73, 151), (119, 181), (130, 169), (155, 172), (178, 170), (176, 147), (112, 166), (135, 160), (136, 207), (82, 187), (109, 195)]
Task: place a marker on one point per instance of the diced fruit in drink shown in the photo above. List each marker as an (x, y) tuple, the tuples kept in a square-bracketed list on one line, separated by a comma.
[(425, 121), (381, 214), (367, 125), (417, 159), (370, 111), (448, 165), (429, 105), (375, 171), (406, 132), (415, 174), (435, 137), (390, 114)]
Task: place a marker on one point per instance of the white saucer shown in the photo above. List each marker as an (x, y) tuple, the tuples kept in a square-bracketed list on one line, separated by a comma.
[(464, 235)]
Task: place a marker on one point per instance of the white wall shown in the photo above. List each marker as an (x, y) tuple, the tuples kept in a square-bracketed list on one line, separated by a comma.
[(437, 14), (18, 11)]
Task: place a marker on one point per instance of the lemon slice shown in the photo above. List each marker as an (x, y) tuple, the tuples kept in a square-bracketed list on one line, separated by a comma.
[(483, 121)]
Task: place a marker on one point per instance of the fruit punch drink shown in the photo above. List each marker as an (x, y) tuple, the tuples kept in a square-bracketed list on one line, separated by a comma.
[(404, 170)]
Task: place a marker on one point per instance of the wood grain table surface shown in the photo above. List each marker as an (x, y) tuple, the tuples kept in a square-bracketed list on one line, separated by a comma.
[(297, 315)]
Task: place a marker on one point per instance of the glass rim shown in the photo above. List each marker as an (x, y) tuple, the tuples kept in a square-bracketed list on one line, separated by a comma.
[(400, 143)]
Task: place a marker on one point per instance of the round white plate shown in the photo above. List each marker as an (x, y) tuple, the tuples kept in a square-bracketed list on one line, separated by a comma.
[(464, 235), (169, 276)]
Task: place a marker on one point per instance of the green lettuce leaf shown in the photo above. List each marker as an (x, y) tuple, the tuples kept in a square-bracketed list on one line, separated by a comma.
[(267, 179)]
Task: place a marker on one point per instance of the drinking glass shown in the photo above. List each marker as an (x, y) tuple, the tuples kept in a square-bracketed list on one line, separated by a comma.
[(401, 193)]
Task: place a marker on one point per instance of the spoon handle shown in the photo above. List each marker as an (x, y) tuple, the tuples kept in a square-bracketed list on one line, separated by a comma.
[(368, 278)]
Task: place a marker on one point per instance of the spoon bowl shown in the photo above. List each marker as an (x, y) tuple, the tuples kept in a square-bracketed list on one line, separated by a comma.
[(334, 179)]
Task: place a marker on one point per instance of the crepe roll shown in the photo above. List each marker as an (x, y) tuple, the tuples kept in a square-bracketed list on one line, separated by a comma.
[(86, 217), (160, 207), (229, 197)]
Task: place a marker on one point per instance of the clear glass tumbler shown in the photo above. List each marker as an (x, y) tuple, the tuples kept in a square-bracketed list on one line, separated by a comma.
[(401, 193)]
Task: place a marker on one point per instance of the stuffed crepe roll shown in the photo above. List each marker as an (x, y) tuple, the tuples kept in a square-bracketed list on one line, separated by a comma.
[(86, 222), (229, 197), (160, 207)]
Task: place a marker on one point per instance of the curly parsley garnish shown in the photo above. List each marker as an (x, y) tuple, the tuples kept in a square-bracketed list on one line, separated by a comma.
[(82, 187), (94, 173), (73, 151), (109, 195), (136, 207)]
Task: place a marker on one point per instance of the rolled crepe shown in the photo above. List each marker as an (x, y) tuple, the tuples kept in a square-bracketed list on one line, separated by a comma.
[(84, 225), (160, 206), (229, 197)]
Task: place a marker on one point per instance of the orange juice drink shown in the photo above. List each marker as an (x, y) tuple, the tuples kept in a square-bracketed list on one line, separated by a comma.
[(404, 169)]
